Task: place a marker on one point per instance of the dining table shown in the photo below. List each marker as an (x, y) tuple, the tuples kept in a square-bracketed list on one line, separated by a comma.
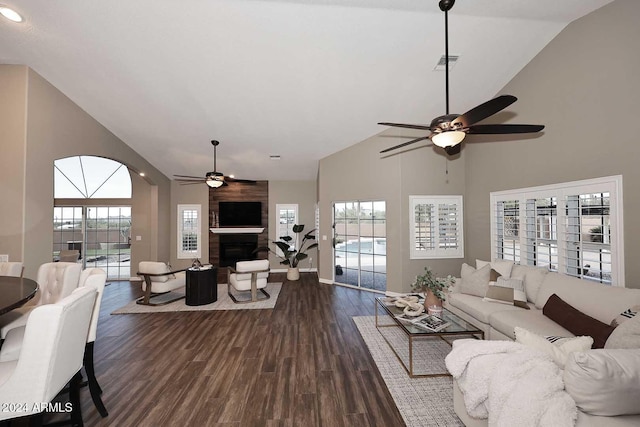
[(15, 292)]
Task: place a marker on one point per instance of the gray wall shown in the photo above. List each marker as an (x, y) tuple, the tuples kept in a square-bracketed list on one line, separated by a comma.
[(302, 193), (189, 195), (13, 104), (55, 127), (361, 173), (582, 87)]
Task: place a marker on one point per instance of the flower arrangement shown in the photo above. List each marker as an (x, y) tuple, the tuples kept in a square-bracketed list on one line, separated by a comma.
[(437, 285)]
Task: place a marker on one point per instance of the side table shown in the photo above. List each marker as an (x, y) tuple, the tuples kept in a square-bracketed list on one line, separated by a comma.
[(201, 286)]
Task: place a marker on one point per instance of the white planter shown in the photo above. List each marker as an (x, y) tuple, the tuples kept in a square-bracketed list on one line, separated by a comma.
[(293, 273)]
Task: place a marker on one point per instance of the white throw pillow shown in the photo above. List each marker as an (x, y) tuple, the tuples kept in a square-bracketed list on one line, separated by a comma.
[(532, 277), (604, 382), (501, 266), (627, 335), (474, 282), (558, 350)]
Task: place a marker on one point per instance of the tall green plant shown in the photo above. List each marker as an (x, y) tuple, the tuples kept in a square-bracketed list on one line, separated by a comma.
[(290, 255)]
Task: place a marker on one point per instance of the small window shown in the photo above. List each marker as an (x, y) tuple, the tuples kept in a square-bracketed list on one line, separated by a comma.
[(286, 217), (436, 227), (189, 235)]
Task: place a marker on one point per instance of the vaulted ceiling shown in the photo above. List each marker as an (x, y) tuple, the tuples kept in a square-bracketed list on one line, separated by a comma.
[(301, 78)]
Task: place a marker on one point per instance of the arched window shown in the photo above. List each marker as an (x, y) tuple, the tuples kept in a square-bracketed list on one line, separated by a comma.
[(96, 231), (89, 177)]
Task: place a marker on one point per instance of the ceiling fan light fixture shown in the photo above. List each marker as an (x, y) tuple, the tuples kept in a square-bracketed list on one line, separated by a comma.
[(448, 138), (213, 182), (214, 179)]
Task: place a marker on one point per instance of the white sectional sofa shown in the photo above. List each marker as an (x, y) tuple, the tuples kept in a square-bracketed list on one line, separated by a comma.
[(498, 321)]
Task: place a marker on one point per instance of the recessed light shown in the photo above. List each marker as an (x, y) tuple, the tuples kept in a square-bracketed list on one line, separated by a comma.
[(274, 157), (141, 173), (10, 14)]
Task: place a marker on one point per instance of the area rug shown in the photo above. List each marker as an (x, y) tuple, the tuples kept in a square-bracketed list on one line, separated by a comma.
[(422, 402), (223, 302)]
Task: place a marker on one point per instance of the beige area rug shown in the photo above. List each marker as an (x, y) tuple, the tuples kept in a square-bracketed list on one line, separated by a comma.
[(223, 302), (422, 402)]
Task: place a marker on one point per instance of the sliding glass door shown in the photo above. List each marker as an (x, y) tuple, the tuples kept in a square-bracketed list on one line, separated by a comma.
[(101, 234), (360, 244)]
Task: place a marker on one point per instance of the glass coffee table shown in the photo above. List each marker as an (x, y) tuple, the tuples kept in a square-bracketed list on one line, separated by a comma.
[(407, 340)]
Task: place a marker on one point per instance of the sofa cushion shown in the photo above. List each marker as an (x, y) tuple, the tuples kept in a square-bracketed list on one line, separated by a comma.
[(477, 308), (532, 277), (507, 291), (502, 267), (627, 335), (559, 350), (604, 382), (474, 282), (599, 301), (576, 321), (533, 320), (629, 313)]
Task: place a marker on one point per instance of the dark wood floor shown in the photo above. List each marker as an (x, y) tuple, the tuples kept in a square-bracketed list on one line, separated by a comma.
[(300, 364)]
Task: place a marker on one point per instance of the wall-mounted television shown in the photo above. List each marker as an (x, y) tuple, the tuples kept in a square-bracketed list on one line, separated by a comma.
[(239, 214)]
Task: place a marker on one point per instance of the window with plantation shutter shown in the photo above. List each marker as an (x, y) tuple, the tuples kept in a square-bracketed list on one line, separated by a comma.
[(436, 227), (573, 228), (189, 236)]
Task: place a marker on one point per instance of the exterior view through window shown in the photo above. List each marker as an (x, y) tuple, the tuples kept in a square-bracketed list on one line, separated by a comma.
[(95, 233), (360, 244)]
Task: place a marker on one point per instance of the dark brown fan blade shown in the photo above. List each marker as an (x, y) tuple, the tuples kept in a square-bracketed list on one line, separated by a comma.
[(188, 176), (485, 110), (402, 125), (190, 182), (242, 181), (405, 144), (452, 151), (503, 129)]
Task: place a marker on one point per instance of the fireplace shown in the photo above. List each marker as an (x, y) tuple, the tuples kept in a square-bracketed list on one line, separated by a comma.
[(237, 247)]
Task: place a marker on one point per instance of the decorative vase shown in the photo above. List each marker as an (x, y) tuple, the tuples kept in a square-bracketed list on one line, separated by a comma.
[(293, 273), (431, 300)]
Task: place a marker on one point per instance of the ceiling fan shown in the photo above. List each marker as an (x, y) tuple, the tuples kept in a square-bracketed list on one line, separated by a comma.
[(449, 130), (213, 179)]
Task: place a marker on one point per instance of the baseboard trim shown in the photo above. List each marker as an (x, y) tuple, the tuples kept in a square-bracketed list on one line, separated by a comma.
[(326, 281)]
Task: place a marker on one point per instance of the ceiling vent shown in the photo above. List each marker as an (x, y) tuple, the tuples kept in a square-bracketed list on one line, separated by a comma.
[(452, 61)]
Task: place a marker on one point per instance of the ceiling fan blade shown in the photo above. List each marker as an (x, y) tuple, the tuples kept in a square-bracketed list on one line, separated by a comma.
[(405, 144), (485, 110), (504, 129), (188, 176), (402, 125), (452, 151), (190, 182)]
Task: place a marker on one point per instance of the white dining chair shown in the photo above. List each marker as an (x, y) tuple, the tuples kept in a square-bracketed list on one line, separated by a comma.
[(13, 269), (94, 278), (51, 356), (56, 280)]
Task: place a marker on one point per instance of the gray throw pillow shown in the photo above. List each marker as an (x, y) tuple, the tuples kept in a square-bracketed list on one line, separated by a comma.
[(475, 282)]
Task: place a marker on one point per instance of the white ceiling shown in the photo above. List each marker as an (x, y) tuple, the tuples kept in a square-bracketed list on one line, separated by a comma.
[(299, 78)]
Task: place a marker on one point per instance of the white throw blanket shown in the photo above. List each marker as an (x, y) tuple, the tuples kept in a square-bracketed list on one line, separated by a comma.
[(510, 384)]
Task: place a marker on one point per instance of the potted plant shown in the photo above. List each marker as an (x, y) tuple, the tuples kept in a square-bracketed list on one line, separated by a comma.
[(290, 255), (434, 288)]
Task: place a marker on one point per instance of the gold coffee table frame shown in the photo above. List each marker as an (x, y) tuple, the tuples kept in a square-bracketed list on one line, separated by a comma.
[(457, 326)]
